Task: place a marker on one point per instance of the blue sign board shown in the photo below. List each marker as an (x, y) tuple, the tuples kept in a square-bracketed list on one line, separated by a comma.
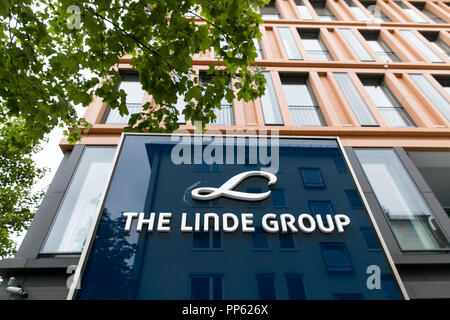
[(204, 217)]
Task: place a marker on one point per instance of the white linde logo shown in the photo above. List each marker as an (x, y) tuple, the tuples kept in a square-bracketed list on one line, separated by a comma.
[(226, 190), (230, 222)]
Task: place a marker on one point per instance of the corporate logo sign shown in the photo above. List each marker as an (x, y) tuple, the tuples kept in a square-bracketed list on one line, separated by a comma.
[(237, 217), (230, 222)]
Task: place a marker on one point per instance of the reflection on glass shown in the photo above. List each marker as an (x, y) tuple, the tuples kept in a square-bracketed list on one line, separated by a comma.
[(409, 216), (336, 257), (391, 110), (296, 288), (359, 14), (289, 44), (421, 46), (266, 286), (132, 87), (411, 12), (355, 100), (323, 12), (356, 45), (270, 11), (303, 10), (206, 287), (79, 206), (315, 48), (269, 103), (302, 103), (438, 100)]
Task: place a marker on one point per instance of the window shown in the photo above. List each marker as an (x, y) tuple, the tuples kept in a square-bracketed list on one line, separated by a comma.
[(323, 11), (357, 12), (302, 103), (287, 241), (356, 45), (420, 46), (355, 100), (354, 199), (315, 48), (371, 239), (303, 10), (312, 178), (380, 47), (260, 240), (79, 205), (270, 11), (439, 45), (391, 110), (289, 44), (295, 286), (336, 257), (408, 215), (224, 116), (415, 16), (375, 11), (132, 87), (207, 287), (444, 82), (436, 98), (421, 7), (269, 103), (259, 51), (321, 207), (266, 286), (207, 240)]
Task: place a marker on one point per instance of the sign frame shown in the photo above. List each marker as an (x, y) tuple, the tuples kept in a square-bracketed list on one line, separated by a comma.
[(82, 262)]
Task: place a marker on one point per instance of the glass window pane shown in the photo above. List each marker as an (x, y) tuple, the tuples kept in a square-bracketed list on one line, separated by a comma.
[(303, 10), (421, 46), (200, 288), (336, 257), (269, 103), (392, 112), (266, 287), (353, 97), (286, 240), (323, 11), (357, 47), (295, 286), (411, 12), (311, 178), (132, 87), (270, 11), (289, 44), (316, 49), (360, 15), (79, 206), (409, 216), (438, 100), (382, 50), (259, 51)]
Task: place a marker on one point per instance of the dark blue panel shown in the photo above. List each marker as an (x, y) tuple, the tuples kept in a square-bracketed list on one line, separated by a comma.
[(225, 265), (354, 199), (266, 287), (312, 178), (370, 238), (295, 286)]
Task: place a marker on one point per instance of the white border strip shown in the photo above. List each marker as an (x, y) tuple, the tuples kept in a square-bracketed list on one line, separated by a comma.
[(89, 241)]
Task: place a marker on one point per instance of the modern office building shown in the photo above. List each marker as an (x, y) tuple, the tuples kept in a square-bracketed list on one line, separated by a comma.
[(374, 74)]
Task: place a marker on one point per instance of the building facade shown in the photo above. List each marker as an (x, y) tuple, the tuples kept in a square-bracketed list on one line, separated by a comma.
[(375, 74)]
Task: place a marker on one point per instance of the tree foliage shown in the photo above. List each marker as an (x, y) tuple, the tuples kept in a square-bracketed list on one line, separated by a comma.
[(55, 54)]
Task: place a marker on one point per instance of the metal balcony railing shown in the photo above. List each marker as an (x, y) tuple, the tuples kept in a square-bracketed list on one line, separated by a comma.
[(112, 116), (307, 116)]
